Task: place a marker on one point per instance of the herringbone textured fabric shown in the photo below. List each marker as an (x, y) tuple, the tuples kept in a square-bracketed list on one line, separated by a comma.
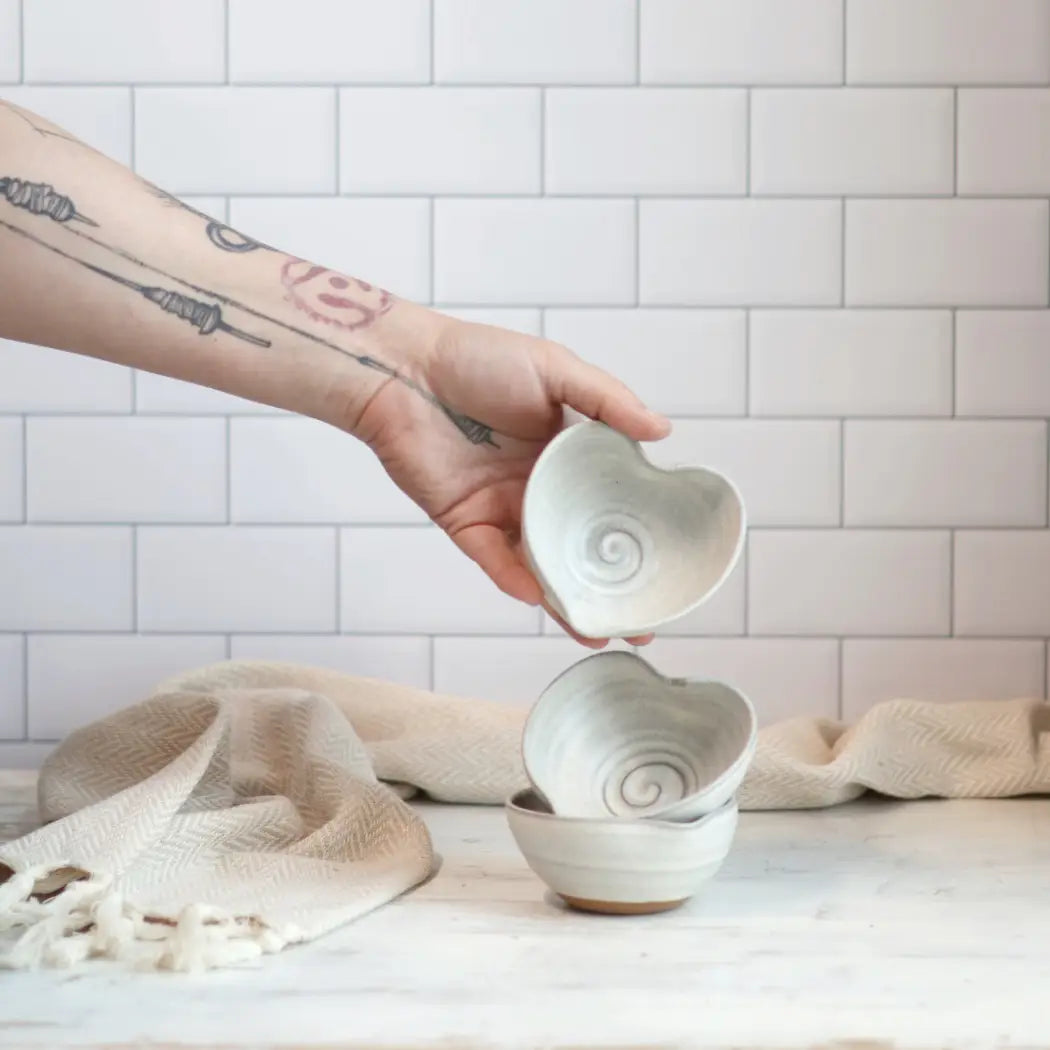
[(248, 806)]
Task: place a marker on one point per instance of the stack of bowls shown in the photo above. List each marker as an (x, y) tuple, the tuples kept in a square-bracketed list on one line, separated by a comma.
[(632, 806)]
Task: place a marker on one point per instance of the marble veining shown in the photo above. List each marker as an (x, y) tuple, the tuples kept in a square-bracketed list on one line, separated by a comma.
[(875, 925)]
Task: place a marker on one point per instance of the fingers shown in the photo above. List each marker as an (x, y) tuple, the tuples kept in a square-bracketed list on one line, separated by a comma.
[(601, 396), (493, 551), (590, 643)]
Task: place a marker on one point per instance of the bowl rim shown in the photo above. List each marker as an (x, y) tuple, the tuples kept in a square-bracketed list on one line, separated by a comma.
[(728, 773), (513, 804), (626, 630)]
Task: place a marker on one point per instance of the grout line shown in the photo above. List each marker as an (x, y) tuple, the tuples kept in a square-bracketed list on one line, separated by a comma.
[(432, 232), (638, 42), (955, 141), (229, 646), (338, 580), (953, 327), (637, 252), (568, 85), (25, 685), (845, 45), (842, 256), (25, 470), (1046, 668), (543, 142), (134, 581), (1046, 472), (283, 525), (253, 633), (747, 364), (842, 473), (22, 42), (746, 570), (841, 676), (609, 196), (338, 142), (697, 416), (226, 41), (951, 585), (227, 443), (432, 43), (747, 143), (134, 136)]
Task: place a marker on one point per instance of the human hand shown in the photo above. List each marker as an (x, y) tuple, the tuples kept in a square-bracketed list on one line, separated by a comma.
[(470, 476)]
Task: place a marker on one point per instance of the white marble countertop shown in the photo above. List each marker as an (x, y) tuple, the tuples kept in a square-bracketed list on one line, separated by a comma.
[(875, 925)]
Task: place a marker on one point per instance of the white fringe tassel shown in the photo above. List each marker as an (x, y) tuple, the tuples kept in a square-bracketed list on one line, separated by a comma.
[(88, 918)]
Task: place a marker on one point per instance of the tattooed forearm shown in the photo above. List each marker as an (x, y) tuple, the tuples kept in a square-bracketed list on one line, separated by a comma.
[(229, 239), (221, 235), (49, 132), (351, 304), (39, 198), (476, 432), (331, 298), (205, 317)]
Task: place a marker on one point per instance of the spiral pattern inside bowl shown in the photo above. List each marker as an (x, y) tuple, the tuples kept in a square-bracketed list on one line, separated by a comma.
[(613, 549), (644, 774), (612, 737)]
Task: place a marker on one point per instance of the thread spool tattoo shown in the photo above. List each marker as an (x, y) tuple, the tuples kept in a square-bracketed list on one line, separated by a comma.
[(38, 198)]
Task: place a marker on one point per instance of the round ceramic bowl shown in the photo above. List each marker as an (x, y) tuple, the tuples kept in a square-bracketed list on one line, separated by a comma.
[(611, 737), (619, 545), (626, 867)]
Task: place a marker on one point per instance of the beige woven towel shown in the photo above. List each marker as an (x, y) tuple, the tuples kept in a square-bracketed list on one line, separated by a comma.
[(246, 806)]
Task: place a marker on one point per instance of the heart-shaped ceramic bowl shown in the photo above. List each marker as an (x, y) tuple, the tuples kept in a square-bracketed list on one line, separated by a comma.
[(620, 866), (612, 737), (621, 546)]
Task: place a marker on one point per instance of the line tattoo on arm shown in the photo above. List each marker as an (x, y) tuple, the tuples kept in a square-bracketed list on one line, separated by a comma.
[(205, 317), (475, 431), (221, 235), (48, 132), (208, 317)]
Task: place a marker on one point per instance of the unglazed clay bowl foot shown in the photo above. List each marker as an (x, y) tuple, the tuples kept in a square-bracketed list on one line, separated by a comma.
[(619, 545), (620, 867), (612, 737)]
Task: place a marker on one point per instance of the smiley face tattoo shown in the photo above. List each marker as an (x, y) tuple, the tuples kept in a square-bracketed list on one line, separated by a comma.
[(333, 298)]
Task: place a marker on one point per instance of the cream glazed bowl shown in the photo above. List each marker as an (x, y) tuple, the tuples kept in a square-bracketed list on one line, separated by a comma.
[(612, 737), (626, 867), (621, 546)]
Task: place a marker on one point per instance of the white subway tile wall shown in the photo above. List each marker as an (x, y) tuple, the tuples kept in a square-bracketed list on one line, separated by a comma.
[(12, 469), (814, 232), (10, 41), (12, 687)]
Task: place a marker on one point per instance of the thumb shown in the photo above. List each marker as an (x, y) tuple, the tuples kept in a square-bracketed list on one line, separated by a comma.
[(598, 395)]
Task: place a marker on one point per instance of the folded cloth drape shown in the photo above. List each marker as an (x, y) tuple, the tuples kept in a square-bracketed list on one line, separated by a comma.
[(246, 806)]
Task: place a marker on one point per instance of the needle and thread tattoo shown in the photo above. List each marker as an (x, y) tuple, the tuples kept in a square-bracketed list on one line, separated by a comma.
[(324, 295), (205, 317), (38, 198)]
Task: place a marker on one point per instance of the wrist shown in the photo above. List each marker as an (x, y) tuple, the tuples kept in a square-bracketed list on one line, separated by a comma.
[(398, 343)]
